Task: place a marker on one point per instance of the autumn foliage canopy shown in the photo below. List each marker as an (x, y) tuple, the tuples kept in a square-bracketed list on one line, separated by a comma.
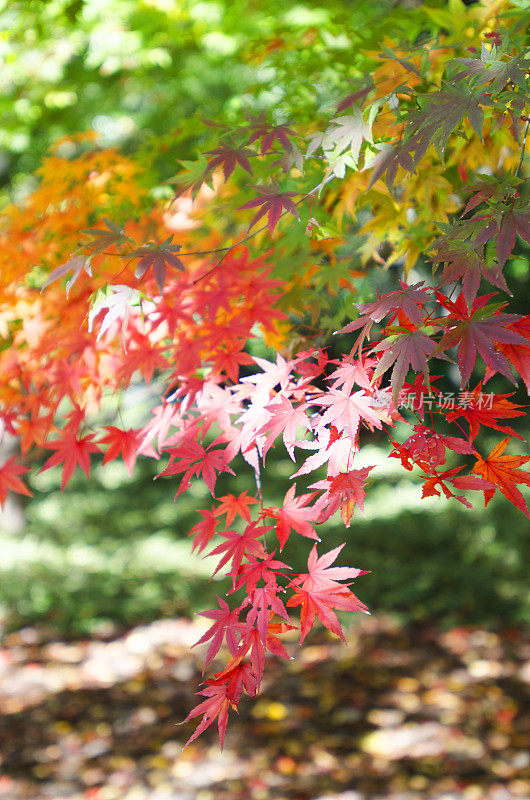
[(263, 242)]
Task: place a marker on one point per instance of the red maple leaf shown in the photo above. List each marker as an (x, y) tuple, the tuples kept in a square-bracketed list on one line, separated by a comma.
[(408, 299), (204, 530), (191, 458), (404, 351), (9, 480), (226, 625), (519, 354), (476, 332), (463, 260), (223, 692), (72, 451), (264, 569), (264, 603), (274, 645), (268, 133), (121, 443), (143, 354), (158, 256), (33, 430), (293, 515), (474, 483), (228, 157), (478, 411), (502, 471), (251, 641), (344, 491), (439, 479), (429, 446), (513, 222), (416, 394), (238, 545), (273, 203), (9, 418), (216, 706), (319, 592)]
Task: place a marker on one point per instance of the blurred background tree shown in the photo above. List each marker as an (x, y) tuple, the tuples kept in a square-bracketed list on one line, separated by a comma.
[(144, 71)]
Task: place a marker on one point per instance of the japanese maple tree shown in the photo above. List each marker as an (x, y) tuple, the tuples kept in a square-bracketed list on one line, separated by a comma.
[(421, 163)]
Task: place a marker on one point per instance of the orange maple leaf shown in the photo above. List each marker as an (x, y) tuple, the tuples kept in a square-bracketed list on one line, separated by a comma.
[(233, 506), (502, 471)]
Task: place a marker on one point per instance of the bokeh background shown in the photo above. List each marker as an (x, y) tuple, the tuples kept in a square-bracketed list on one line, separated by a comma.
[(98, 585)]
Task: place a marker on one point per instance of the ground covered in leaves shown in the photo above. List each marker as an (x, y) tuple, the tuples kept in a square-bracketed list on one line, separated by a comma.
[(400, 713)]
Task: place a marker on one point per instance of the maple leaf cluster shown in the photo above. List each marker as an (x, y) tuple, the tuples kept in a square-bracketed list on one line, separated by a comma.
[(165, 300)]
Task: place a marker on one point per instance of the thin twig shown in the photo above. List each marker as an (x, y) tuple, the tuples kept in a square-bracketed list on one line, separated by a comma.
[(520, 164), (227, 250)]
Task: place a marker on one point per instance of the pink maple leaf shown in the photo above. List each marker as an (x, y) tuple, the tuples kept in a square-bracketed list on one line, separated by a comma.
[(75, 265), (284, 419), (345, 411), (272, 375)]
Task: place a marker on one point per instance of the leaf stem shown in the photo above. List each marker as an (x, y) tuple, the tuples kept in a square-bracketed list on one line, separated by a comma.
[(520, 164)]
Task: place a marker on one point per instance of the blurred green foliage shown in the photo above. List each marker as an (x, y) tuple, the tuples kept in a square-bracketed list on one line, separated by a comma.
[(145, 73), (114, 549)]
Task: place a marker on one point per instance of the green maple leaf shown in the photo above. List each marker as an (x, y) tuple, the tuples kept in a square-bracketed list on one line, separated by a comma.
[(194, 175)]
